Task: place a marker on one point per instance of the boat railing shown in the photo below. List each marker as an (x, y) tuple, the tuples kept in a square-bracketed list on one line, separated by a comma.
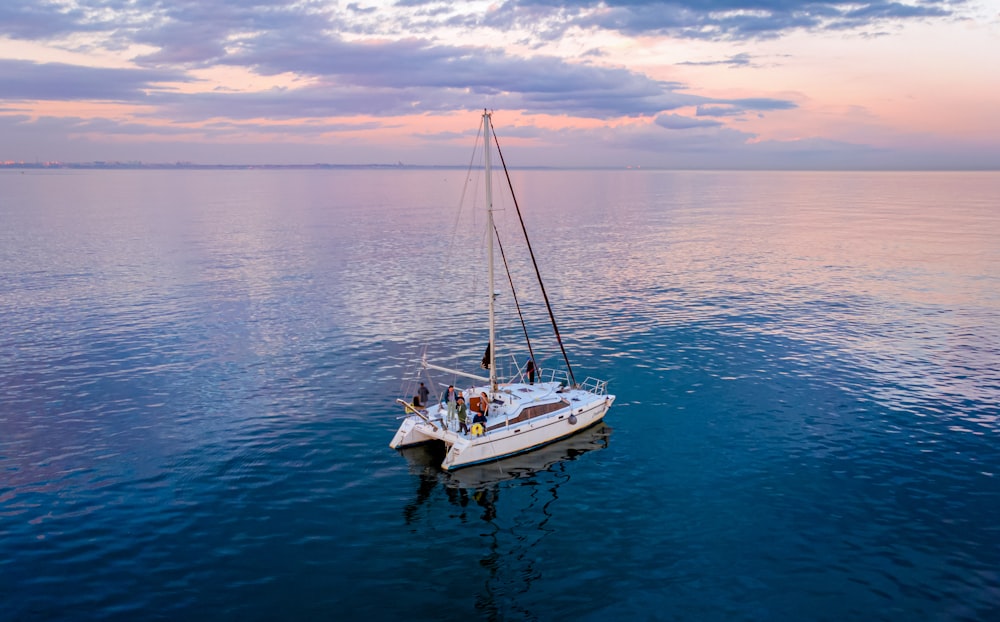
[(514, 372), (510, 371), (554, 375), (594, 385)]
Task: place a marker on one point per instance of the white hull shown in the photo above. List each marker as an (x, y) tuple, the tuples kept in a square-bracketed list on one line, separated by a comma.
[(506, 435)]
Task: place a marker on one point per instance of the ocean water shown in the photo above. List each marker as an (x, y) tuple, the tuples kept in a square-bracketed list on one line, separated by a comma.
[(198, 369)]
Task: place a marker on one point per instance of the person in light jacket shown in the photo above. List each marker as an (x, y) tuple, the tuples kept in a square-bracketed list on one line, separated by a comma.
[(450, 398)]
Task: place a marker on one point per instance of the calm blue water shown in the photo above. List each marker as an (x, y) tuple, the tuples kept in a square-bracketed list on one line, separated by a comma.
[(197, 372)]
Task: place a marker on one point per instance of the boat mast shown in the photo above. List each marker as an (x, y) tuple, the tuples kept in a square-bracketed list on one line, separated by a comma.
[(489, 229)]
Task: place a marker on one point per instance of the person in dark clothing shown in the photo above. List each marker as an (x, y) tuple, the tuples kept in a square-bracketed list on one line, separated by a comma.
[(463, 415), (479, 424), (530, 368), (423, 393)]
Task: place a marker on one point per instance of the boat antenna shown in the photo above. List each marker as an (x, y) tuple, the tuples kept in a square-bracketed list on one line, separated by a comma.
[(531, 251)]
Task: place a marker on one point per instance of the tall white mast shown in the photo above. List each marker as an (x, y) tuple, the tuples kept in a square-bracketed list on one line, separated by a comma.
[(489, 234)]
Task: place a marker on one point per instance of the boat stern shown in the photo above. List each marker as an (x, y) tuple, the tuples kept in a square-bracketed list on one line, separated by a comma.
[(413, 431), (454, 458), (418, 430)]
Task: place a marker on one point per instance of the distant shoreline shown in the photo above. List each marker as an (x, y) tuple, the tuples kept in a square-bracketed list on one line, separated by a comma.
[(192, 166), (188, 166)]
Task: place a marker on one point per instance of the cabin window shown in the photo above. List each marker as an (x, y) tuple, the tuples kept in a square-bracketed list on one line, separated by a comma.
[(531, 412)]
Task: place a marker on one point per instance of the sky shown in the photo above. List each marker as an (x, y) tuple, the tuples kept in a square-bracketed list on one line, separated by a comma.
[(756, 84)]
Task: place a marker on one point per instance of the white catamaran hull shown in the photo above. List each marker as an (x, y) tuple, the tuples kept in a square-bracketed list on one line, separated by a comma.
[(502, 439)]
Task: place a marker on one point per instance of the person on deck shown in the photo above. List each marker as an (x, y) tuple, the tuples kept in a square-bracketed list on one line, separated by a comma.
[(463, 415), (424, 393), (480, 418), (530, 369), (484, 404), (450, 398)]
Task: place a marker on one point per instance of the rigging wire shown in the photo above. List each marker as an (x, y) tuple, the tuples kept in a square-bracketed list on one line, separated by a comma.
[(465, 188), (448, 266), (517, 304), (531, 251), (408, 384)]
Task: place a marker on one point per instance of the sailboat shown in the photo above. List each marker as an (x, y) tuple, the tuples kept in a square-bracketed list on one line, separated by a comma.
[(522, 413)]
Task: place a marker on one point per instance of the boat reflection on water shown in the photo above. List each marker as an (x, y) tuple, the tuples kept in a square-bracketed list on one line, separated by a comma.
[(481, 482), (530, 486), (425, 461)]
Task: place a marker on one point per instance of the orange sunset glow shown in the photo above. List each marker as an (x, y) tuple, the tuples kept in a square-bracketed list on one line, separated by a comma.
[(764, 84)]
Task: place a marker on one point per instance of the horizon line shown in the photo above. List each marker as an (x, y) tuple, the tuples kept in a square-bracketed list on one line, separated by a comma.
[(139, 165)]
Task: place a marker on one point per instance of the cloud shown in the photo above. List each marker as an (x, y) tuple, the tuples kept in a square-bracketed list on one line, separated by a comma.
[(43, 19), (381, 78), (710, 19), (76, 139), (368, 76), (644, 144), (316, 102), (218, 129), (679, 122), (721, 147), (738, 107), (737, 60), (415, 74), (26, 80), (391, 76), (200, 32), (760, 103), (329, 99)]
